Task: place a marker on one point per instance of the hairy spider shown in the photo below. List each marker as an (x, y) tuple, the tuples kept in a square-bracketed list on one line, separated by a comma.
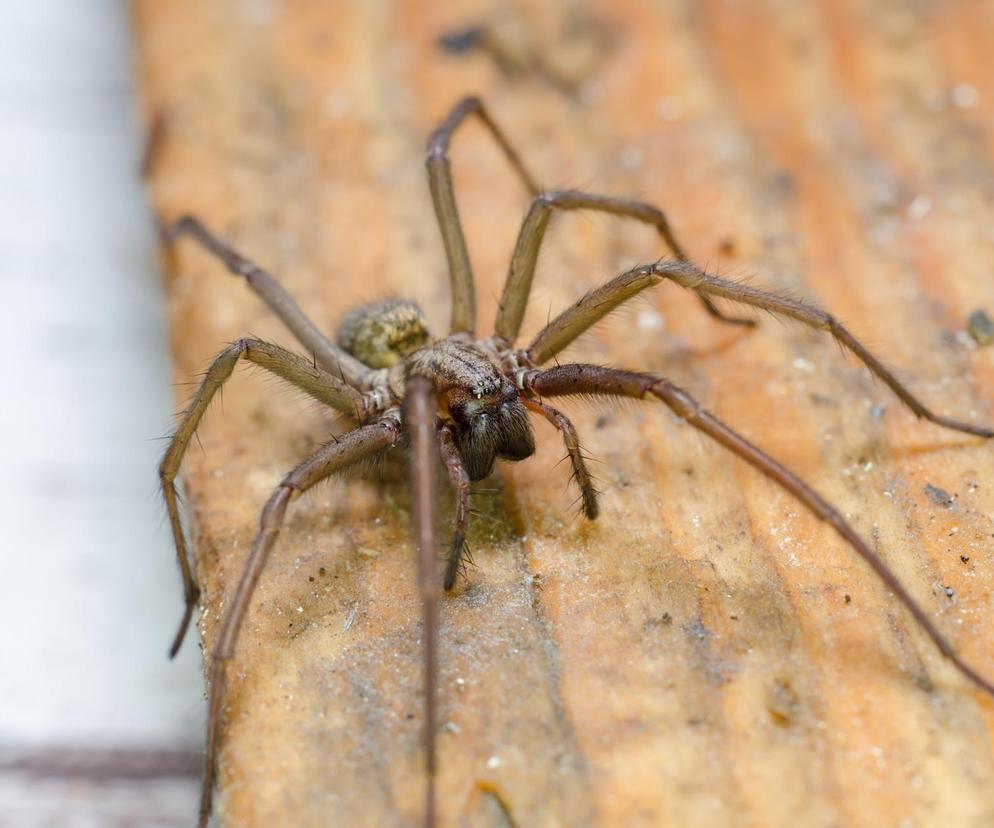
[(467, 401)]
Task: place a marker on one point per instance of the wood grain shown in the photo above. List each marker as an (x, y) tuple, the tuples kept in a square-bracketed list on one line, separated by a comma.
[(705, 653)]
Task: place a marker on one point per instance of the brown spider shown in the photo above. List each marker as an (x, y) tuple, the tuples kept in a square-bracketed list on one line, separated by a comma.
[(467, 401)]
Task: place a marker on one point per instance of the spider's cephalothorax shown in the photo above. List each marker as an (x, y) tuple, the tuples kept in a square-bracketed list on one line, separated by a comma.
[(482, 404), (467, 402)]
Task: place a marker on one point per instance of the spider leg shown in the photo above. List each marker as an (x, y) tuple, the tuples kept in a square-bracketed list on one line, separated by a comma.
[(350, 448), (517, 287), (581, 474), (592, 379), (599, 302), (419, 423), (332, 358), (447, 213), (459, 478), (286, 365)]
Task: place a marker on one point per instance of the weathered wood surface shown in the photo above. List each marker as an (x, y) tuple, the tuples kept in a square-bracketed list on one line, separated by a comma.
[(705, 653)]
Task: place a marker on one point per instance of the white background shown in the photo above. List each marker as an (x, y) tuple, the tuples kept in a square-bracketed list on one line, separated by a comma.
[(89, 590)]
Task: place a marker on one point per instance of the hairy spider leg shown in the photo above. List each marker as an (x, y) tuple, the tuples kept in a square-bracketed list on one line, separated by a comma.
[(596, 304), (288, 366), (419, 423), (517, 286), (592, 379), (447, 213), (332, 358), (459, 478), (350, 448), (581, 475)]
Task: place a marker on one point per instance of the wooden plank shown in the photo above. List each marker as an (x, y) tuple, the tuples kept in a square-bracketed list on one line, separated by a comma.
[(706, 652)]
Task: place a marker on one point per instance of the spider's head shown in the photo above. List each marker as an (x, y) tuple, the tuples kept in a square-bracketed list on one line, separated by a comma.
[(488, 426)]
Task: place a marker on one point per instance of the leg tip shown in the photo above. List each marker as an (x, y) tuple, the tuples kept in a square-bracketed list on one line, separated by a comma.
[(184, 625), (449, 582)]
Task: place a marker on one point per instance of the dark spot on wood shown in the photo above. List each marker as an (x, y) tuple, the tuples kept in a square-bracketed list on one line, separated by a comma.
[(697, 630), (981, 327), (940, 497), (663, 620), (782, 702), (461, 41)]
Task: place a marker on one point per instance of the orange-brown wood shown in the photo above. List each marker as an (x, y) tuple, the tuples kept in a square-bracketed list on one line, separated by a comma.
[(705, 653)]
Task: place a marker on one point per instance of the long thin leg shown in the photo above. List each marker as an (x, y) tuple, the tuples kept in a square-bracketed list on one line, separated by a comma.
[(588, 494), (593, 379), (517, 287), (601, 301), (348, 449), (419, 423), (459, 478), (332, 358), (443, 197), (286, 365)]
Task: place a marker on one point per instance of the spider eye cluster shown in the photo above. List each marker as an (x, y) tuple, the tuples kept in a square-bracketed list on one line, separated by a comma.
[(384, 333)]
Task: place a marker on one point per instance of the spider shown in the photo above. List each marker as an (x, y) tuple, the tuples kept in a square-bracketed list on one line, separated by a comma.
[(467, 401)]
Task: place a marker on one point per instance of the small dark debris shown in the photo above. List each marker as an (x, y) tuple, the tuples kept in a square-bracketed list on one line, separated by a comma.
[(950, 592), (310, 578), (726, 247), (322, 571), (601, 421), (664, 620), (940, 497), (981, 327), (461, 41), (734, 617), (409, 716), (964, 558), (782, 702), (848, 598)]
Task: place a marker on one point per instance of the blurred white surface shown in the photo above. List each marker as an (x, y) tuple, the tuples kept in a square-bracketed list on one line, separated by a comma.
[(89, 592)]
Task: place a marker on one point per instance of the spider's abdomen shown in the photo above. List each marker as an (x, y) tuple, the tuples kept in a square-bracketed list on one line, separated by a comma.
[(384, 333)]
